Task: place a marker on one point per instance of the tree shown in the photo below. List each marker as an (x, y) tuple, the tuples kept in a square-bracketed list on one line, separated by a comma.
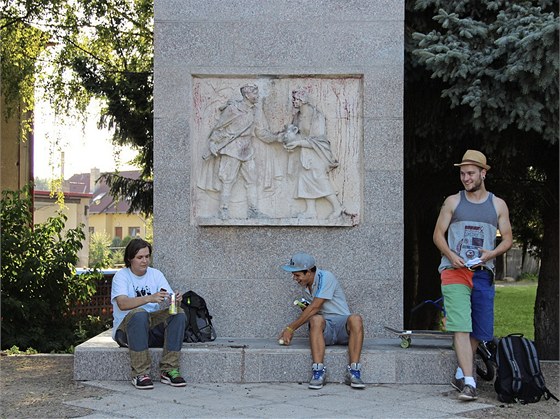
[(99, 48), (484, 74), (39, 285)]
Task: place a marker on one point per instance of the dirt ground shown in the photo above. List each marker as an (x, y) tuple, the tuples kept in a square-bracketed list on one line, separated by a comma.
[(35, 386)]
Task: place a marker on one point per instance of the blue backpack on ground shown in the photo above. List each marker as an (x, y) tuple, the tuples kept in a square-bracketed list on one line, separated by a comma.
[(199, 326), (519, 377)]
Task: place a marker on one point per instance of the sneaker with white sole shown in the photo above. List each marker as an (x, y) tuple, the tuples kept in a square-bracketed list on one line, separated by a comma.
[(173, 378), (319, 375), (458, 384), (468, 393), (352, 377), (143, 382)]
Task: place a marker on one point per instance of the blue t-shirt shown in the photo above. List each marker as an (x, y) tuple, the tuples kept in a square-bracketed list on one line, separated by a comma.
[(326, 286), (126, 283)]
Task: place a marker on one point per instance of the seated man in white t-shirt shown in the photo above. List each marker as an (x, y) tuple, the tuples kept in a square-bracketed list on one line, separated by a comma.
[(140, 323), (329, 318)]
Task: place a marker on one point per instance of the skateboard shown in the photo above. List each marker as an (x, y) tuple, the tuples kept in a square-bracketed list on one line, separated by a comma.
[(406, 335)]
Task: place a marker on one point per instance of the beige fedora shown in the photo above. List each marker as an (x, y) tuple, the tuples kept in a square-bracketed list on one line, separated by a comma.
[(474, 157)]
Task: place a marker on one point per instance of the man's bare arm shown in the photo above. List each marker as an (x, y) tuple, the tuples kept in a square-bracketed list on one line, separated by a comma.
[(442, 224)]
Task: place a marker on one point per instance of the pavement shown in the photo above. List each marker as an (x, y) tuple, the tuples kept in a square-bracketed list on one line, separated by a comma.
[(276, 400)]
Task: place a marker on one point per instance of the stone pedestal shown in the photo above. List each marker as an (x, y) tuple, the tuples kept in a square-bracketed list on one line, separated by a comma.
[(348, 59)]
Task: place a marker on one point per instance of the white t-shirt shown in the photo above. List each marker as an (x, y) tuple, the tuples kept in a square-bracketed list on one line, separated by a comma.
[(126, 283)]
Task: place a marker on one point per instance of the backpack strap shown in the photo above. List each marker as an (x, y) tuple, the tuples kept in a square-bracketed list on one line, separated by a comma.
[(191, 315), (535, 368), (516, 379), (534, 365), (549, 395)]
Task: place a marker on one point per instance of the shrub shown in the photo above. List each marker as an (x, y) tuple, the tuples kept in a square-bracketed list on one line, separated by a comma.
[(528, 276), (99, 253), (38, 278)]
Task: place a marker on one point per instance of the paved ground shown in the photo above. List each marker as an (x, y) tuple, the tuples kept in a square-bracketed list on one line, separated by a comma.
[(42, 387)]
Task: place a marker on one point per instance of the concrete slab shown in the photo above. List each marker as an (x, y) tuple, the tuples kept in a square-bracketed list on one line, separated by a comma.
[(275, 400), (234, 360)]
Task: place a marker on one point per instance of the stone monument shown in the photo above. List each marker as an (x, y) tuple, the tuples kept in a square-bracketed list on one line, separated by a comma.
[(278, 129)]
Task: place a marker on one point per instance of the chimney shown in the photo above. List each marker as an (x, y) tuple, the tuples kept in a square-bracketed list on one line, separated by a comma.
[(94, 175)]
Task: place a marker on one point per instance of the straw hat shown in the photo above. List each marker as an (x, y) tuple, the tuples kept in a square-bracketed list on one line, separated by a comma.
[(474, 157)]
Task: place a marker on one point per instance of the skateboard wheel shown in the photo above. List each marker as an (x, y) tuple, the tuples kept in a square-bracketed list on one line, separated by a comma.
[(405, 343)]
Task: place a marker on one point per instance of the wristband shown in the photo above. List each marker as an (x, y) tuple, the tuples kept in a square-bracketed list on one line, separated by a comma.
[(289, 329)]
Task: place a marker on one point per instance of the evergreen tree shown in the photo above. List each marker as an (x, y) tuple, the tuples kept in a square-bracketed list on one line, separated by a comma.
[(484, 74)]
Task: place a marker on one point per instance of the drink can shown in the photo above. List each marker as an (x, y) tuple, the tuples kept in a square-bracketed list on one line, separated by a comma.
[(173, 304), (301, 303)]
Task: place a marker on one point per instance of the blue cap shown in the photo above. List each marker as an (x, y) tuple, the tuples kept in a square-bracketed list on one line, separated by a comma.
[(300, 262)]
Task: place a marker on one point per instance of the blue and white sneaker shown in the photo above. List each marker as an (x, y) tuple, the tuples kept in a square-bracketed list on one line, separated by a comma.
[(319, 375), (352, 377)]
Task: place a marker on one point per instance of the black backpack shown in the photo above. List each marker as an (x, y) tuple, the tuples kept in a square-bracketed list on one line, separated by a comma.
[(199, 326), (519, 377)]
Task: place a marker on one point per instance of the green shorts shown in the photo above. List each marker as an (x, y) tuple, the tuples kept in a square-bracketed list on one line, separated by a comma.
[(457, 300)]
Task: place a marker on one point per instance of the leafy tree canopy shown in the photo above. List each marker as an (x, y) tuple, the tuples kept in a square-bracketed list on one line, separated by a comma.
[(97, 49)]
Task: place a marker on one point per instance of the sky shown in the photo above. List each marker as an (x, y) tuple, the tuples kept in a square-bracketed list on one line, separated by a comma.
[(84, 146)]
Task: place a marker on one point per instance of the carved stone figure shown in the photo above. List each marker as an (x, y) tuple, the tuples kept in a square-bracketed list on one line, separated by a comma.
[(231, 143), (308, 136)]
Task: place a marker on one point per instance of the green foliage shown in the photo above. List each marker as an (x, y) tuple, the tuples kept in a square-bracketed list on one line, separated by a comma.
[(20, 47), (100, 49), (91, 326), (499, 59), (528, 276), (41, 184), (520, 319), (138, 192), (14, 350), (149, 229), (125, 241), (99, 253), (116, 242), (114, 61), (39, 284)]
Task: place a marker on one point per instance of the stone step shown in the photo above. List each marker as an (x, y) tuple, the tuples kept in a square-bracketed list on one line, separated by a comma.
[(238, 360)]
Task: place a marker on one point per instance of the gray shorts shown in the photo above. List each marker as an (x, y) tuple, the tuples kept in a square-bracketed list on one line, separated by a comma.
[(335, 332)]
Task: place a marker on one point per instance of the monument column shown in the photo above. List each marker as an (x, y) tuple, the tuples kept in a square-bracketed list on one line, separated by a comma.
[(279, 129)]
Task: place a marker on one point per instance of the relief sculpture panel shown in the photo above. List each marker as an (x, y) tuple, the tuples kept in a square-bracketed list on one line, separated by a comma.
[(277, 151)]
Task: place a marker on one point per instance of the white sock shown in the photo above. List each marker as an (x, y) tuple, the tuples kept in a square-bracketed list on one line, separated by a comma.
[(470, 381), (355, 366), (459, 373)]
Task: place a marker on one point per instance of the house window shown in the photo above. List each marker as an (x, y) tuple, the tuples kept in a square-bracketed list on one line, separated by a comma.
[(118, 232), (133, 231)]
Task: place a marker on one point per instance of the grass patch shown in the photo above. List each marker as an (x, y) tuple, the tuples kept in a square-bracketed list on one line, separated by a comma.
[(514, 310)]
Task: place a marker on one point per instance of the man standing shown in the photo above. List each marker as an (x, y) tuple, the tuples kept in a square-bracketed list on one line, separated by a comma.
[(231, 140), (329, 318), (471, 219), (139, 322)]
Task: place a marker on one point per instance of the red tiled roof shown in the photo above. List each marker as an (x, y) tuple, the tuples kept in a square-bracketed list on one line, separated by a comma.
[(101, 200), (66, 194)]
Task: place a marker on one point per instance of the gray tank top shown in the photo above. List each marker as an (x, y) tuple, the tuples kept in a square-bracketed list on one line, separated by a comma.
[(472, 226)]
